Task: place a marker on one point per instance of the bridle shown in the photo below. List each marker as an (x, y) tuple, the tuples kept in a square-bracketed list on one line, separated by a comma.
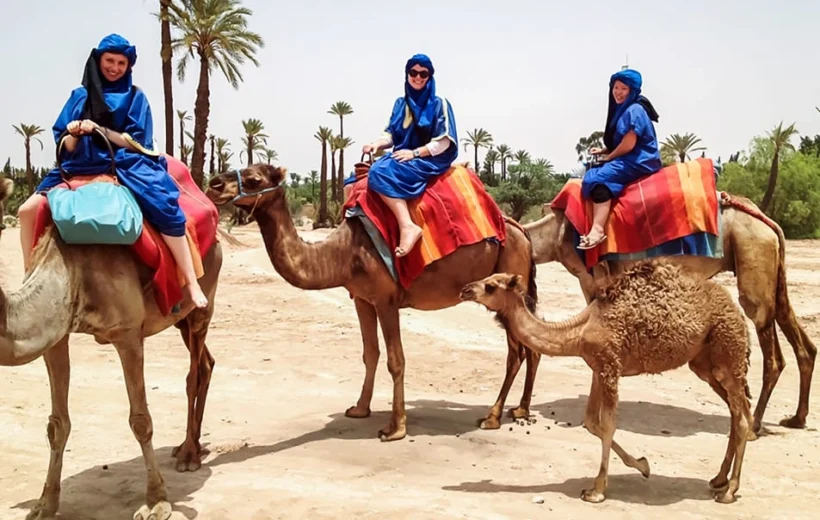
[(242, 193)]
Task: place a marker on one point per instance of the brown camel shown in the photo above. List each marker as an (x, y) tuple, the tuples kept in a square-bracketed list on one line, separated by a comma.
[(348, 258), (6, 189), (103, 291), (754, 249), (654, 318)]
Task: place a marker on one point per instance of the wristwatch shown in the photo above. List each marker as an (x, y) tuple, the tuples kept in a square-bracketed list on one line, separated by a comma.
[(416, 153)]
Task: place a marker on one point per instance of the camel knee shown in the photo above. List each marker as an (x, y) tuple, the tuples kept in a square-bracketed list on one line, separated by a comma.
[(142, 427), (395, 367), (57, 431), (370, 356)]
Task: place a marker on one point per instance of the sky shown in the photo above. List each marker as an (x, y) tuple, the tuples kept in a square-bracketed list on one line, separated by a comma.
[(535, 74)]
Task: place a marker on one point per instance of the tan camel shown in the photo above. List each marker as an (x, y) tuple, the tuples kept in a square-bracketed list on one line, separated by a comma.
[(754, 249), (6, 189), (348, 258), (103, 291), (652, 319)]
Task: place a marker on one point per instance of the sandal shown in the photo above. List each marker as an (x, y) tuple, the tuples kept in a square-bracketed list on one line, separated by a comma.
[(586, 244)]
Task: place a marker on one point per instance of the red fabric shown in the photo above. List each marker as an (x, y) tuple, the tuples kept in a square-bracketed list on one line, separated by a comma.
[(454, 211), (150, 249)]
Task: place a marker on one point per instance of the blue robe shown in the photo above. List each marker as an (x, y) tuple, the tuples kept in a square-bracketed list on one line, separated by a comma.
[(643, 160), (408, 180), (146, 176)]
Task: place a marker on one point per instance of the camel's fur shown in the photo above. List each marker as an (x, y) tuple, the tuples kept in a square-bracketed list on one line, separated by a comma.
[(348, 259), (754, 249), (103, 291), (654, 318), (6, 189)]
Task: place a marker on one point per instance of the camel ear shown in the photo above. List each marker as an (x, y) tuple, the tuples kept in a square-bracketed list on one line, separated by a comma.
[(514, 282), (276, 174)]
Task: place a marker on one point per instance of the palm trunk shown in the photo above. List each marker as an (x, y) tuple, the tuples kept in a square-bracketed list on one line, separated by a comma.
[(323, 188), (682, 156), (202, 108), (341, 176), (29, 172), (332, 174), (250, 150), (212, 156), (182, 141), (773, 173), (167, 76)]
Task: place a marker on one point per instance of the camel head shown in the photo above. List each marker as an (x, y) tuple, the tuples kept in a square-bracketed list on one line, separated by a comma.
[(497, 292), (255, 186), (6, 188)]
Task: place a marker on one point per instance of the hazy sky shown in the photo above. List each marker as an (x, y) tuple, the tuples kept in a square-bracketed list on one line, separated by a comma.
[(533, 73)]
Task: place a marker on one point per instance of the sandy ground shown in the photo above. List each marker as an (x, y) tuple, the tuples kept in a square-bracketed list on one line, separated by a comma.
[(288, 365)]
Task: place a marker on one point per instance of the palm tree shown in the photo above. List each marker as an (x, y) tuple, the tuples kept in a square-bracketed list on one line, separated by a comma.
[(314, 175), (780, 137), (545, 165), (341, 144), (222, 151), (183, 117), (341, 109), (522, 157), (334, 142), (254, 139), (216, 33), (258, 152), (595, 140), (681, 145), (167, 75), (211, 138), (324, 135), (478, 138), (490, 158), (29, 132), (504, 153), (184, 152), (271, 155)]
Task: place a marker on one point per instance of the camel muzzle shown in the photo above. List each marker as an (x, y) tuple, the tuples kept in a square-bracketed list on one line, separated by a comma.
[(467, 294)]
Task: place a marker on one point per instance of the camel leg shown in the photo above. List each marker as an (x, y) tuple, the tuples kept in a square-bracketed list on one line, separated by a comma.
[(739, 410), (515, 353), (59, 428), (533, 359), (806, 353), (368, 323), (608, 392), (592, 422), (701, 365), (194, 329), (773, 364), (156, 496), (389, 319)]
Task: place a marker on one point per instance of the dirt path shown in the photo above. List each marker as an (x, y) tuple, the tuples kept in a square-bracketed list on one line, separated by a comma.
[(288, 363)]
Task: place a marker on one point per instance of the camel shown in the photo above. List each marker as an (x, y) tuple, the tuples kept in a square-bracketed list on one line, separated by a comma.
[(754, 249), (654, 318), (6, 189), (103, 291), (348, 258)]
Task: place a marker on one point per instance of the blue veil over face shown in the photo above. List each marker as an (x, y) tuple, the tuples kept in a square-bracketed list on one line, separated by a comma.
[(632, 79), (108, 101)]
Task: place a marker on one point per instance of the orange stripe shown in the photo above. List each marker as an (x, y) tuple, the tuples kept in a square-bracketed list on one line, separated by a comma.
[(693, 195), (429, 248), (478, 218)]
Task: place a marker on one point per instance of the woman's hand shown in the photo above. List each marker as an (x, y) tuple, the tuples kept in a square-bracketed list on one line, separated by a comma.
[(403, 155), (87, 126), (370, 148), (74, 129), (597, 151)]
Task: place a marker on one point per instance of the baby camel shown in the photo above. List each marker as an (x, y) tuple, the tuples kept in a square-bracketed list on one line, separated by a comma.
[(651, 319)]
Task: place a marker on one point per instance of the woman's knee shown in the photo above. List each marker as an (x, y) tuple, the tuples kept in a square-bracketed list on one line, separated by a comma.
[(600, 193), (28, 209)]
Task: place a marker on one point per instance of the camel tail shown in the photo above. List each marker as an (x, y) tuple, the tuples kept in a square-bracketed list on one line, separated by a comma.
[(532, 287), (232, 240)]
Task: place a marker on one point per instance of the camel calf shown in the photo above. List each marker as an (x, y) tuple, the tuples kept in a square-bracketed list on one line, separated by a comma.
[(653, 318)]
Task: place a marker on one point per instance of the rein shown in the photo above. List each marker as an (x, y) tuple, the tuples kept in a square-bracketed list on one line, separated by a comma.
[(242, 193)]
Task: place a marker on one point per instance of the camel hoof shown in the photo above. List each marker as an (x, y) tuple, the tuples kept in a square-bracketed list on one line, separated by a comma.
[(718, 483), (643, 467), (398, 434), (592, 496), (793, 422), (161, 511), (751, 436), (725, 498), (490, 423), (189, 459), (519, 413), (357, 413), (39, 514)]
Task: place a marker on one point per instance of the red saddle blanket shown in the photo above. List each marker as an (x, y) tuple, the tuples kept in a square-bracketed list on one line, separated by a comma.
[(674, 202), (454, 211), (150, 249)]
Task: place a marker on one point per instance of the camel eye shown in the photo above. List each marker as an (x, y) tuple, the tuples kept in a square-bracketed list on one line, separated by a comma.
[(489, 289), (252, 182)]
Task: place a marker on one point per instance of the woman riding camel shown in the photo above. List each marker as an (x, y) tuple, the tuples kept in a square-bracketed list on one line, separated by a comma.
[(108, 102), (631, 150), (422, 132)]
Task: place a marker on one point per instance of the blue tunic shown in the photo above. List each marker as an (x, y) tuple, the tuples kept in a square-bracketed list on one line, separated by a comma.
[(643, 160), (409, 179)]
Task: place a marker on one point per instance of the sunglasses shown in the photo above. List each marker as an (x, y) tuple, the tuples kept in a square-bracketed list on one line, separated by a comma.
[(423, 73)]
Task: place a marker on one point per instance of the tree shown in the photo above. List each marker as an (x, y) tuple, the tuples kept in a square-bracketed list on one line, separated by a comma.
[(341, 109), (810, 145), (780, 138), (333, 142), (185, 152), (530, 184), (183, 117), (341, 144), (504, 153), (167, 74), (490, 158), (324, 135), (255, 139), (223, 153), (478, 138), (522, 157), (595, 140), (29, 132), (211, 138), (215, 33), (681, 146), (271, 155)]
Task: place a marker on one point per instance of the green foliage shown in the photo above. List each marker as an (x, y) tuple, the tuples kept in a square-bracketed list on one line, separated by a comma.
[(529, 184)]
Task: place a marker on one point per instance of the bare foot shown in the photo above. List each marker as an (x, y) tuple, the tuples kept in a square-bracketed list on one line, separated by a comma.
[(409, 236), (593, 239), (197, 296)]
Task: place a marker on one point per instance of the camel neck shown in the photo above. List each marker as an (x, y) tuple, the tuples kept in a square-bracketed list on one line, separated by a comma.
[(551, 339), (38, 315), (319, 265)]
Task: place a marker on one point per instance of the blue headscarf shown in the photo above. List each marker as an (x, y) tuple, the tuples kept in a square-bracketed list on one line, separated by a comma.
[(419, 101), (632, 79), (108, 101)]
